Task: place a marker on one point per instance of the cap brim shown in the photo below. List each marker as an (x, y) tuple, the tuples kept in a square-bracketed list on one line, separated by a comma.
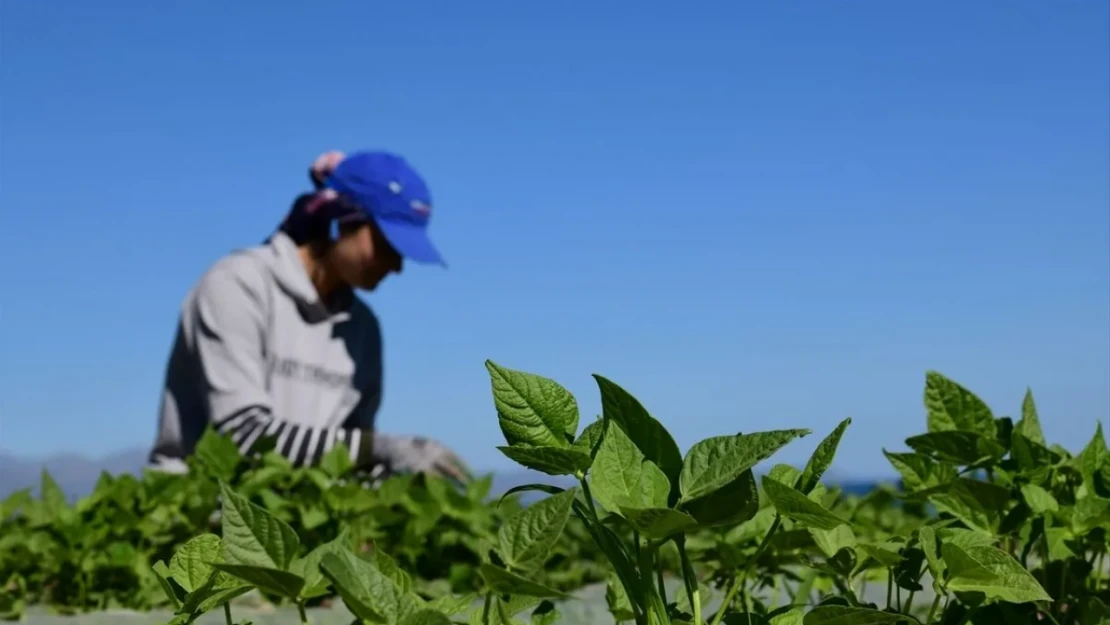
[(411, 242)]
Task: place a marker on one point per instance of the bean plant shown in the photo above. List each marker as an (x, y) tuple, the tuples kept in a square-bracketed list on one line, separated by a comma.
[(990, 524)]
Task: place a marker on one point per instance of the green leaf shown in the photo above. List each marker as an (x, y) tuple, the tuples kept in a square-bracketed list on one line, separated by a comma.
[(162, 573), (515, 605), (965, 538), (1089, 461), (1057, 539), (655, 488), (957, 446), (920, 471), (276, 581), (928, 538), (1090, 512), (453, 604), (313, 516), (219, 589), (831, 541), (218, 454), (791, 503), (337, 462), (190, 566), (388, 566), (367, 592), (976, 503), (1030, 455), (545, 614), (532, 410), (1039, 500), (426, 617), (737, 502), (785, 474), (885, 554), (15, 502), (648, 435), (223, 590), (822, 458), (617, 599), (1029, 425), (549, 460), (254, 537), (527, 538), (847, 615), (308, 567), (590, 438), (991, 571), (658, 523), (622, 476), (54, 498), (719, 460), (501, 581), (787, 615), (953, 407)]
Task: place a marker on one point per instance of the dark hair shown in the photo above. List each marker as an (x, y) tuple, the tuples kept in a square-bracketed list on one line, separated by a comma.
[(302, 224), (309, 219)]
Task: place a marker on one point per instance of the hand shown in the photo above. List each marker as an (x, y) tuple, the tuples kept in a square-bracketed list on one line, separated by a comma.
[(323, 166), (418, 454)]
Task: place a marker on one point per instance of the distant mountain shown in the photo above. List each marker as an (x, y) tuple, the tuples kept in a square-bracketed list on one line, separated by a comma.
[(77, 475)]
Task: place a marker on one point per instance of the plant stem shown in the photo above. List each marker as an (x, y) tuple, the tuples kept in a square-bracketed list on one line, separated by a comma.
[(643, 559), (889, 585), (655, 610), (729, 596), (300, 609), (614, 551), (909, 603), (744, 602), (589, 496), (689, 577), (662, 586), (747, 567), (486, 608), (933, 610), (227, 614)]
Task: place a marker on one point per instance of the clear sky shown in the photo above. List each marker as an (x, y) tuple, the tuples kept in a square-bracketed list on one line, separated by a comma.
[(751, 215)]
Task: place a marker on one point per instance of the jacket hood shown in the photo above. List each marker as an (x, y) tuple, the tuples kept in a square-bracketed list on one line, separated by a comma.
[(284, 262)]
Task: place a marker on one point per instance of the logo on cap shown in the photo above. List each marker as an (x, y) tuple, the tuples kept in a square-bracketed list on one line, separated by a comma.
[(420, 207)]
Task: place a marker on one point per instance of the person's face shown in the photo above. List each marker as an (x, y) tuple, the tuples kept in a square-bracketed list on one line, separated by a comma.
[(362, 257)]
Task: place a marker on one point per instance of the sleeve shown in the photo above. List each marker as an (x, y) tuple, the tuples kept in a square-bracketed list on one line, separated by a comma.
[(363, 418), (365, 413), (227, 333)]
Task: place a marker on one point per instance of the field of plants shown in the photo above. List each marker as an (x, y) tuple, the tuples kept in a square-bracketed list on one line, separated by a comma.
[(990, 524)]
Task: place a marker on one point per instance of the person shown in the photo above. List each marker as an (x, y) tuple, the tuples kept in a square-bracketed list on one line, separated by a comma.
[(273, 345)]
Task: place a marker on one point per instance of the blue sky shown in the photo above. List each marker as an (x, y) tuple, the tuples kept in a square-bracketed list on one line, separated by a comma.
[(751, 215)]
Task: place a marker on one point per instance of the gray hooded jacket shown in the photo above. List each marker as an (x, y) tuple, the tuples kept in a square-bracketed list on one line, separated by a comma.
[(256, 353)]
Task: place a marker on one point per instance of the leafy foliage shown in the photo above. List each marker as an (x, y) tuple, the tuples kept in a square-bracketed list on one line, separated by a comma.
[(100, 552), (991, 522)]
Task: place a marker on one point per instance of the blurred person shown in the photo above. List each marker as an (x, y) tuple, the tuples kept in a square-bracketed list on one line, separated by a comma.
[(272, 343)]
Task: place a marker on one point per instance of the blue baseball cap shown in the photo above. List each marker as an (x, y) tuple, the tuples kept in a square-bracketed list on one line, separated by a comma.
[(394, 196)]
